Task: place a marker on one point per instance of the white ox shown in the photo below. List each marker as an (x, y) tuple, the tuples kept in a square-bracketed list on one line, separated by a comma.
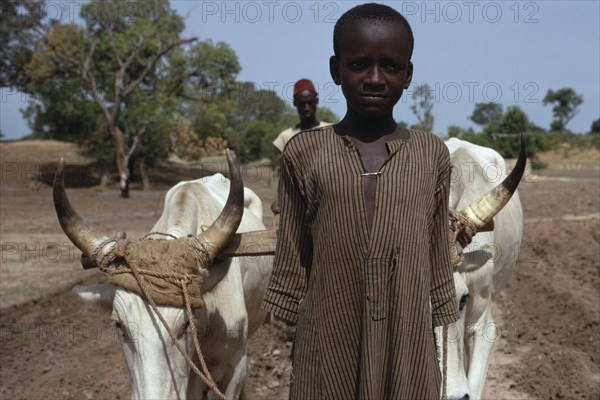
[(488, 263), (232, 291)]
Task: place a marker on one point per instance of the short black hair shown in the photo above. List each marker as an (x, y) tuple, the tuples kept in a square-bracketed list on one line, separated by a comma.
[(372, 12)]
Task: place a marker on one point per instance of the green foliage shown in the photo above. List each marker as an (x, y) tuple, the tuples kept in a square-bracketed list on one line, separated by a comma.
[(116, 64), (566, 105), (23, 24), (502, 129), (267, 150), (422, 108), (485, 113), (212, 68), (594, 139), (595, 126), (477, 138), (455, 131), (514, 120), (325, 114), (251, 143), (60, 110)]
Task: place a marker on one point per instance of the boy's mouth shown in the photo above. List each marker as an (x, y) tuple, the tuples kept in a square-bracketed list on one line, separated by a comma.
[(372, 96)]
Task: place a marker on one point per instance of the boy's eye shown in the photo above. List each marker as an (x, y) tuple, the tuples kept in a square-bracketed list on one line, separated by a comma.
[(358, 64), (394, 67)]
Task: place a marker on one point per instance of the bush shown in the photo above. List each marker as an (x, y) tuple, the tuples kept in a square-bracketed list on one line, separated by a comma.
[(253, 144)]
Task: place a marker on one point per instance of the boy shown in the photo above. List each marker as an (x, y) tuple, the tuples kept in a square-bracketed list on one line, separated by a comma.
[(362, 262)]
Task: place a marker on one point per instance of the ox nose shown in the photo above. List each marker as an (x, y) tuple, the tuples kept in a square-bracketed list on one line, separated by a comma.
[(458, 396)]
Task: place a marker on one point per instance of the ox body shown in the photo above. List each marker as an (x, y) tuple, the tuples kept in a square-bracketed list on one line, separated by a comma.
[(232, 291), (488, 263)]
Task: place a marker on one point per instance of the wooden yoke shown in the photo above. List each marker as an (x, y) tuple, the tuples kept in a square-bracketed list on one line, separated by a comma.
[(247, 244), (257, 243)]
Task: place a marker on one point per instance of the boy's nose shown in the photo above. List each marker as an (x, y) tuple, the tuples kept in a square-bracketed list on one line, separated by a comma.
[(374, 78)]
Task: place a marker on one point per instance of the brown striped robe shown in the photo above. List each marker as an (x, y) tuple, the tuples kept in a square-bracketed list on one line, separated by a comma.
[(365, 302)]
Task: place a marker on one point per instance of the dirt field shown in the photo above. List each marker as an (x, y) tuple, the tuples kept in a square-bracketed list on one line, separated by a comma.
[(54, 346)]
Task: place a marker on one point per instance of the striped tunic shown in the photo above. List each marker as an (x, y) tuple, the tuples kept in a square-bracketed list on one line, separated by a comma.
[(365, 302)]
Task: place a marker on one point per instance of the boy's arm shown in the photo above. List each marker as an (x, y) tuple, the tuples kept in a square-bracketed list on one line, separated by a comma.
[(293, 256), (443, 293)]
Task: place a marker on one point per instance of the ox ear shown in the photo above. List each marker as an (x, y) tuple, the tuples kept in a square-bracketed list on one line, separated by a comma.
[(102, 293)]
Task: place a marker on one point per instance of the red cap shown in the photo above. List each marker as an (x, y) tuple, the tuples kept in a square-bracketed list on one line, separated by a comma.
[(304, 84)]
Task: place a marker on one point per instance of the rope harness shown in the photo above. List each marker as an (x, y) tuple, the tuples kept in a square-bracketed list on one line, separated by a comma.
[(461, 231), (160, 257)]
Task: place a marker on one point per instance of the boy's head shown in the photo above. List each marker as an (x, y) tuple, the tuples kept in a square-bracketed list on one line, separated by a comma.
[(373, 45), (369, 12)]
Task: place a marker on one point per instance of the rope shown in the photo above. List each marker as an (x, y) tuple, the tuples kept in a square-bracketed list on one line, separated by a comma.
[(183, 280), (461, 231)]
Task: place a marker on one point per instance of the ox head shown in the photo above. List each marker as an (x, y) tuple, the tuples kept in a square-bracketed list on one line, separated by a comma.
[(464, 375), (156, 368)]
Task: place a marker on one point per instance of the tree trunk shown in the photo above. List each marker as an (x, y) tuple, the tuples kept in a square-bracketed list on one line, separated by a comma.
[(143, 174), (121, 159), (105, 179)]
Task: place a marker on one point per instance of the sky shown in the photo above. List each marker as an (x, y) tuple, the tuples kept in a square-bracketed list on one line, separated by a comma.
[(468, 52)]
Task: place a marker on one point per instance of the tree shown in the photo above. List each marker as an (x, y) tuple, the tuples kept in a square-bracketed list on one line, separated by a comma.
[(595, 126), (23, 23), (484, 113), (422, 108), (60, 110), (209, 87), (250, 144), (566, 106), (325, 114), (514, 121), (455, 131), (116, 53)]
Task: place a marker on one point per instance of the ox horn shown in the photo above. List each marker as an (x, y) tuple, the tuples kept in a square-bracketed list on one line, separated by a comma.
[(222, 231), (79, 232), (482, 211)]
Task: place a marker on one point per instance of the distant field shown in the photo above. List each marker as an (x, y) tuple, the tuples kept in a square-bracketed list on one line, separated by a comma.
[(25, 157)]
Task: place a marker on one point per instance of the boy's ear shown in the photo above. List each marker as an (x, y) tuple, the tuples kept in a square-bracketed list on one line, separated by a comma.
[(409, 75), (334, 69)]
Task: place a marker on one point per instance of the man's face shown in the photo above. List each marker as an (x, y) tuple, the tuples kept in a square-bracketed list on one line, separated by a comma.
[(306, 104), (373, 66)]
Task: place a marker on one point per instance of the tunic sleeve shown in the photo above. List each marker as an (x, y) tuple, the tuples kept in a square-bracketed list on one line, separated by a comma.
[(443, 297), (293, 255)]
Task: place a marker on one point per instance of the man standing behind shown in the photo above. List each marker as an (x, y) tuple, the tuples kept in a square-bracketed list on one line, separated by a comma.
[(306, 99)]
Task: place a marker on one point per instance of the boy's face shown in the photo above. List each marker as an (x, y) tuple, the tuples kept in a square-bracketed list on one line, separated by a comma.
[(373, 66)]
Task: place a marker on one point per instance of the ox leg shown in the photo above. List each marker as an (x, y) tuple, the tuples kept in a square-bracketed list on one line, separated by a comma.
[(237, 384), (478, 348)]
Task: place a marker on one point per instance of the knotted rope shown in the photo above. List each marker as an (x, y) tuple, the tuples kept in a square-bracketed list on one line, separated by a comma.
[(128, 255), (461, 231)]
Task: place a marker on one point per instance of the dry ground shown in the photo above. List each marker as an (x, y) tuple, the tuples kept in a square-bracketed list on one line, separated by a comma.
[(54, 346)]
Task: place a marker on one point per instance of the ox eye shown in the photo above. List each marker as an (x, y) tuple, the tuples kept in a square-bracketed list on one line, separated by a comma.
[(121, 329), (183, 329), (463, 302)]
